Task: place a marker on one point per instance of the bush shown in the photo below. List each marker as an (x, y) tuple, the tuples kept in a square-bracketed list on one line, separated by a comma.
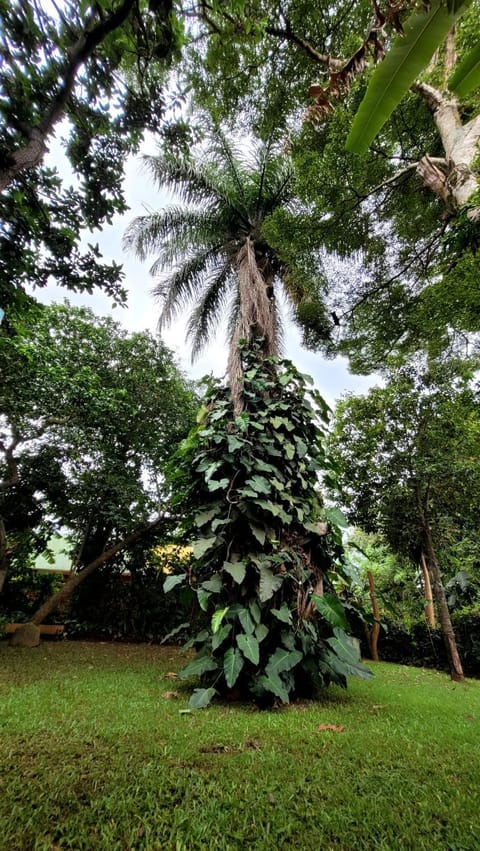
[(423, 646)]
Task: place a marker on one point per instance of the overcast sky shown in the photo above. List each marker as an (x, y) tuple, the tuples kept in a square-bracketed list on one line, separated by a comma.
[(141, 313)]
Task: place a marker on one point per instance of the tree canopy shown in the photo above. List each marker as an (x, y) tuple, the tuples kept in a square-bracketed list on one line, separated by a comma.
[(89, 417)]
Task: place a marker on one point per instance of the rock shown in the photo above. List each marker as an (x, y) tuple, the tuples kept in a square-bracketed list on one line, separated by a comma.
[(27, 635)]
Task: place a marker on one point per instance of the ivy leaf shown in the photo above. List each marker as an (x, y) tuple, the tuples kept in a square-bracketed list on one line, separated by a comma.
[(261, 632), (347, 651), (248, 644), (214, 485), (205, 516), (258, 533), (213, 584), (198, 666), (283, 614), (255, 611), (233, 663), (203, 597), (246, 620), (331, 608), (271, 682), (201, 697), (202, 545), (219, 637), (234, 443), (217, 619), (259, 484), (289, 451), (211, 469), (172, 581), (269, 583), (236, 570), (283, 660)]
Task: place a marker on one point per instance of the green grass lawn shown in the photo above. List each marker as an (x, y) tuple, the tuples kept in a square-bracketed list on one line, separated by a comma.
[(95, 755)]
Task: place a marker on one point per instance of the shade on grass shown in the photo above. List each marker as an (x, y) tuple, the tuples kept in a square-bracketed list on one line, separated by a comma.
[(95, 756)]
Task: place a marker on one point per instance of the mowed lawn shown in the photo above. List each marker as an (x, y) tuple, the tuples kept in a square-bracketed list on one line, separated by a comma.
[(97, 752)]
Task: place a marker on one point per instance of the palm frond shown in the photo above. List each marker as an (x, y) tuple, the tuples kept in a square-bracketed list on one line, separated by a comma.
[(177, 290), (209, 311)]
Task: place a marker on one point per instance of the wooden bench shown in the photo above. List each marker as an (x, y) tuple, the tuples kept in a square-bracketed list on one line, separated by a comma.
[(45, 628)]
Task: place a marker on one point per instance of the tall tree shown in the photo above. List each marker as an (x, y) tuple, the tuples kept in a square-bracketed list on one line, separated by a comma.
[(89, 416), (398, 477), (98, 67), (216, 244)]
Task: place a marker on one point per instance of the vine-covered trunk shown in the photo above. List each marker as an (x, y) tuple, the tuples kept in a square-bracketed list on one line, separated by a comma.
[(456, 669)]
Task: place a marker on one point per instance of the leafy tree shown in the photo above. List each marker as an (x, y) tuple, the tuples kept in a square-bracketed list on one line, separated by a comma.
[(90, 415), (216, 244), (397, 477), (101, 67), (399, 246)]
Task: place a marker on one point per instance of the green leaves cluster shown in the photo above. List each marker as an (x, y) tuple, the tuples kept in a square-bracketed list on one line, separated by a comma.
[(259, 545)]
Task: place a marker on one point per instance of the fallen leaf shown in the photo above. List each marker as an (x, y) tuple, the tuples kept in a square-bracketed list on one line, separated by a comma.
[(377, 706), (333, 727), (470, 718), (169, 694), (171, 675)]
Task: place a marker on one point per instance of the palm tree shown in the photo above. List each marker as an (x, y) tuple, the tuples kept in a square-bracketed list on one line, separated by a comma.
[(211, 248)]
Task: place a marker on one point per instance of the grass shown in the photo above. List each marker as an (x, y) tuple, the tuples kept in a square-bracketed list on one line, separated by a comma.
[(93, 755)]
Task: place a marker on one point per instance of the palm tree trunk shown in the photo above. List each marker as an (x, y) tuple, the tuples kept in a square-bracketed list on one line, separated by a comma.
[(257, 322), (375, 631)]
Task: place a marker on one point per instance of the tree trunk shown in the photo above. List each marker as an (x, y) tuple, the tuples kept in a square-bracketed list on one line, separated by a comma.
[(375, 631), (65, 591), (429, 610), (3, 555), (459, 180), (456, 670)]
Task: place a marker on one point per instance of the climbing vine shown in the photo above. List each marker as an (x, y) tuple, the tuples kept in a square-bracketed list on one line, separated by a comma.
[(267, 552)]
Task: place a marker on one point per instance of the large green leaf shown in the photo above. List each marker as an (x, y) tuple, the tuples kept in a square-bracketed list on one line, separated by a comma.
[(283, 660), (261, 631), (347, 651), (283, 614), (217, 619), (233, 663), (213, 584), (219, 637), (201, 697), (172, 581), (247, 621), (236, 570), (424, 32), (203, 598), (269, 583), (467, 75), (248, 644), (271, 682), (202, 545), (330, 607), (198, 666)]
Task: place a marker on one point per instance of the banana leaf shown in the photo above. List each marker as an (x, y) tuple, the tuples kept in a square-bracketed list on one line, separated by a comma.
[(467, 76), (424, 32)]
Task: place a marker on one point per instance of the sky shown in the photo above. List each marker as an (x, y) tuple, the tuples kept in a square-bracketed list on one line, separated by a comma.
[(331, 377)]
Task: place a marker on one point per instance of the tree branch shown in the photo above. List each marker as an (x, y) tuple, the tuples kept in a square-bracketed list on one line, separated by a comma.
[(33, 152)]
